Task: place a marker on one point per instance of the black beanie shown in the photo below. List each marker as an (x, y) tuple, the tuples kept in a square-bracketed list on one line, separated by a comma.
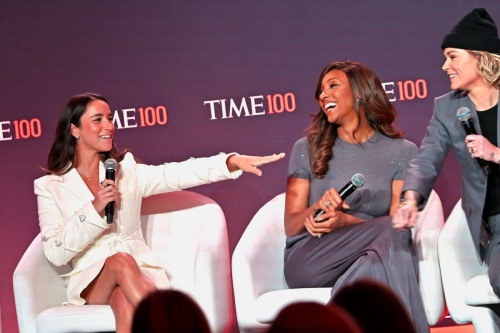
[(476, 31)]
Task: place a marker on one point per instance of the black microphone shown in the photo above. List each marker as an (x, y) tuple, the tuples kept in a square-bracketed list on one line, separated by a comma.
[(110, 166), (463, 114), (358, 180)]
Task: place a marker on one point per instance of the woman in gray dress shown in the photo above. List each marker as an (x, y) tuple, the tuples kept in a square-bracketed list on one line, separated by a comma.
[(351, 133)]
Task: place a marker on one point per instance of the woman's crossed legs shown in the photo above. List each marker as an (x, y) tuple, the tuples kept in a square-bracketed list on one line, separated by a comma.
[(122, 285)]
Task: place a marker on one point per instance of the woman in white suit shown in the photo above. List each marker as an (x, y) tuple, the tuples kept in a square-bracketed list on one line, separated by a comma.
[(111, 262)]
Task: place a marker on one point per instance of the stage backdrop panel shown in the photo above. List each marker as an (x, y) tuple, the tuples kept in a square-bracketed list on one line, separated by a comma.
[(192, 79)]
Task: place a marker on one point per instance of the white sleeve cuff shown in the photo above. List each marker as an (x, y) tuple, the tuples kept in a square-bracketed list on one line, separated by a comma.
[(222, 162)]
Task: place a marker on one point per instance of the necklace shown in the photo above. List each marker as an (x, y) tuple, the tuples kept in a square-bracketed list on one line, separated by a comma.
[(88, 178)]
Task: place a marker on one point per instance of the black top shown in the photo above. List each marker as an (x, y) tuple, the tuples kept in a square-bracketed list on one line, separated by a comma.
[(488, 122)]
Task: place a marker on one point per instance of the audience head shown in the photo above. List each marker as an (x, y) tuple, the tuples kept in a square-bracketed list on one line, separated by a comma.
[(166, 311), (313, 317), (375, 307)]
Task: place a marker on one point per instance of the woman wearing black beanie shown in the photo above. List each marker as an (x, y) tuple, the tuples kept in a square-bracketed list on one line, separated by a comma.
[(472, 52)]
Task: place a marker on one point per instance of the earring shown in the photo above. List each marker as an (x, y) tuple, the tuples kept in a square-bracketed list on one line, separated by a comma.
[(77, 137), (359, 101)]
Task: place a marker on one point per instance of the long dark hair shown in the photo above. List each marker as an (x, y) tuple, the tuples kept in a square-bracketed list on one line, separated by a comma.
[(373, 101), (63, 151)]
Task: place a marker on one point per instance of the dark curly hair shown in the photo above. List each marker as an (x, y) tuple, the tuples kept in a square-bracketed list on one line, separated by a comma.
[(373, 101)]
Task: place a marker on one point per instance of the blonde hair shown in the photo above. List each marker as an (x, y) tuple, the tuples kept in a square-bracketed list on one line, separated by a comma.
[(488, 65)]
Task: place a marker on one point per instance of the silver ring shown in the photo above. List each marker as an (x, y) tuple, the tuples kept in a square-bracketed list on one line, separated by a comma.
[(319, 235), (328, 203)]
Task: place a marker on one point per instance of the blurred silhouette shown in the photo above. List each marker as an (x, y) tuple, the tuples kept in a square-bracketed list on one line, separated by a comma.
[(166, 311), (374, 306), (306, 317)]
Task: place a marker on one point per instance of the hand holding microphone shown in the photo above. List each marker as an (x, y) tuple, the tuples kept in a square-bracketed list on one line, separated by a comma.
[(108, 195), (464, 116), (358, 180), (330, 203), (110, 166)]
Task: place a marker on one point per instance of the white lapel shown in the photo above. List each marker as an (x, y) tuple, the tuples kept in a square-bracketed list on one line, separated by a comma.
[(102, 172), (73, 183)]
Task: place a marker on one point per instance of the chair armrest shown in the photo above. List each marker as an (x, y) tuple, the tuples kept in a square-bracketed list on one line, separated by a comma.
[(257, 262), (478, 291), (37, 285), (425, 237), (268, 306), (213, 273), (459, 263), (188, 232)]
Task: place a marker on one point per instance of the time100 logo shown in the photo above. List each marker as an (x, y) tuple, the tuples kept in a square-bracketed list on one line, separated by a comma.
[(252, 106), (407, 90), (20, 129), (122, 119)]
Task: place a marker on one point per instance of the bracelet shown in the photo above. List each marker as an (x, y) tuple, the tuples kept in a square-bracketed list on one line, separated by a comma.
[(408, 202)]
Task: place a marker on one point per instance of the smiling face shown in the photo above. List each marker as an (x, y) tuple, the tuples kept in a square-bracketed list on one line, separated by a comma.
[(336, 99), (96, 128), (461, 69)]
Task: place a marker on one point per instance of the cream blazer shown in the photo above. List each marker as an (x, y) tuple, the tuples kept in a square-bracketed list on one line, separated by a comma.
[(73, 231)]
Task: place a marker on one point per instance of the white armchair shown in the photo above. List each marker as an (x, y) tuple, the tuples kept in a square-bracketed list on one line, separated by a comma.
[(467, 288), (187, 230), (260, 289)]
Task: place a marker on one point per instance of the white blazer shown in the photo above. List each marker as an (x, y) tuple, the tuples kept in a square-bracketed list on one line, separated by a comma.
[(73, 231)]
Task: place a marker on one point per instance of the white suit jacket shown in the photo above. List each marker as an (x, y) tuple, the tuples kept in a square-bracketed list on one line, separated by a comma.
[(71, 228)]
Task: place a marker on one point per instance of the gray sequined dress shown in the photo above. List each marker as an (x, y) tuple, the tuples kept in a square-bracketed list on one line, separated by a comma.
[(372, 249)]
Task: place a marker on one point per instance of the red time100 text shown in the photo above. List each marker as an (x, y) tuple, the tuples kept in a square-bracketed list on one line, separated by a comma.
[(20, 129)]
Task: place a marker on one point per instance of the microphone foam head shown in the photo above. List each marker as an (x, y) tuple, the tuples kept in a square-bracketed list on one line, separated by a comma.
[(358, 180), (463, 114), (110, 164)]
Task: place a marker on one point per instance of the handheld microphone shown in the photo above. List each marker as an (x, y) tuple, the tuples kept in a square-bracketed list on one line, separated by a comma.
[(463, 114), (110, 165), (358, 180)]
